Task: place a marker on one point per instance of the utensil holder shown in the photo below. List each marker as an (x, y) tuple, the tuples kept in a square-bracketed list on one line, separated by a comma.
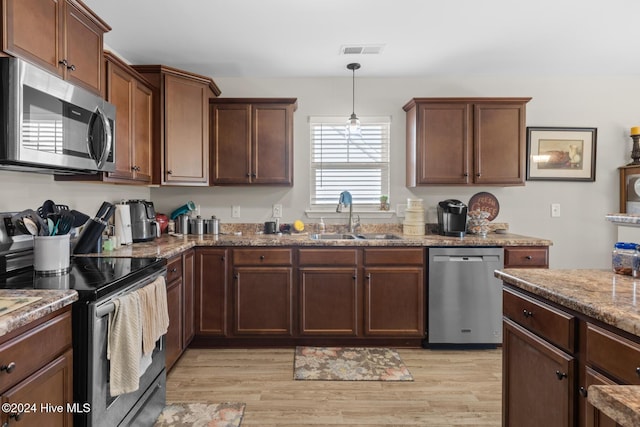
[(51, 254)]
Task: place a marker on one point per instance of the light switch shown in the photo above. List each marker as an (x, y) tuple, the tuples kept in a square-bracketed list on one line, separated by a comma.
[(555, 210), (235, 211)]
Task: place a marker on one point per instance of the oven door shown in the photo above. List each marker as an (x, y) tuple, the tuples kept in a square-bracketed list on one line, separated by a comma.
[(91, 374)]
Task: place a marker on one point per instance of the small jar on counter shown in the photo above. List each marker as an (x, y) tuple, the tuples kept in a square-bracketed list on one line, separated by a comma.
[(625, 259)]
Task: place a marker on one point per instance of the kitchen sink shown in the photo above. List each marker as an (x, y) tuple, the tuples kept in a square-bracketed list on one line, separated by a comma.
[(347, 236), (378, 236), (333, 236)]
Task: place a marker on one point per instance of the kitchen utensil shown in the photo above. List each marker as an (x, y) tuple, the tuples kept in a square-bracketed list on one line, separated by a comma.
[(65, 222), (40, 228), (47, 208), (269, 227)]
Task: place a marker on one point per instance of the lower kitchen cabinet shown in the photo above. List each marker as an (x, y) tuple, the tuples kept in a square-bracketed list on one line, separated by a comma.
[(211, 292), (552, 355), (180, 304), (526, 257), (263, 292), (37, 369), (537, 380), (394, 302), (329, 292)]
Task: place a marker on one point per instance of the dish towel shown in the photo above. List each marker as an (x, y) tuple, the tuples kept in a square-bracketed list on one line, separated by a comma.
[(124, 348), (155, 313)]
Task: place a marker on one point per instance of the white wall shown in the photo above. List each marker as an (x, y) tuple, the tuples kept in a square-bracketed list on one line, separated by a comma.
[(582, 237)]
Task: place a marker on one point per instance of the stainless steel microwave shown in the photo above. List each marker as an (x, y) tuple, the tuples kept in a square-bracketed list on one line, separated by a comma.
[(49, 125)]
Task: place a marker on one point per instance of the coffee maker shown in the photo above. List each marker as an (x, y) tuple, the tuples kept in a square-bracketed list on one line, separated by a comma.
[(452, 218), (143, 221)]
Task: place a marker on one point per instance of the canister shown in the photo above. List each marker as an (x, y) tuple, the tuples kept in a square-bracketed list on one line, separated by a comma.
[(212, 226), (197, 225), (182, 224)]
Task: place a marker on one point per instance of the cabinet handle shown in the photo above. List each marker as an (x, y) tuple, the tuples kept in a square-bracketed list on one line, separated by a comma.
[(8, 368), (71, 67), (16, 415), (529, 257), (253, 175), (169, 172), (173, 270), (248, 175), (235, 276), (222, 258), (582, 391), (638, 371), (527, 313), (466, 174), (478, 174), (561, 375), (369, 276), (261, 257), (354, 277), (64, 62)]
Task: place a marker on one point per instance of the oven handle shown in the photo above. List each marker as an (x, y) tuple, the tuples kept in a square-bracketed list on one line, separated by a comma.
[(108, 307)]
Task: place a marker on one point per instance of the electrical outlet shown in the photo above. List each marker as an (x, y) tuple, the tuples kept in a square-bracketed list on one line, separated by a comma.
[(277, 211), (555, 210), (235, 211)]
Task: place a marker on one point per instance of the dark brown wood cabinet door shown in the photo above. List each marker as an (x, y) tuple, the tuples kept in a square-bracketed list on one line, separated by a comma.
[(593, 417), (120, 87), (263, 301), (188, 269), (142, 133), (53, 385), (394, 301), (83, 50), (211, 292), (33, 29), (443, 143), (329, 301), (272, 144), (173, 338), (499, 150), (186, 131), (538, 381), (231, 143)]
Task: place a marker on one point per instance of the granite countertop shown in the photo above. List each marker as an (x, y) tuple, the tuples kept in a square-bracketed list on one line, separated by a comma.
[(48, 301), (168, 246), (602, 295)]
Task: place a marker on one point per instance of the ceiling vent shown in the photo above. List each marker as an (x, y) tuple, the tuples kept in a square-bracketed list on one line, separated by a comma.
[(369, 49)]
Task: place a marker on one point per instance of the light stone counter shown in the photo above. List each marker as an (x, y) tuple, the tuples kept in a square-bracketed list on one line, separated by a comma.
[(168, 246), (50, 301), (621, 403)]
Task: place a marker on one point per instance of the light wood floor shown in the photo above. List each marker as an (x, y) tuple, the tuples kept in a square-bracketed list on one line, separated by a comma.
[(450, 388)]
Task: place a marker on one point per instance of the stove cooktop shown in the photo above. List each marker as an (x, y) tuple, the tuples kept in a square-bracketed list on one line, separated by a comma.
[(92, 277)]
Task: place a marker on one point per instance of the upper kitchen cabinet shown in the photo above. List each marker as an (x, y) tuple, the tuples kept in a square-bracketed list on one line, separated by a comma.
[(252, 141), (132, 96), (466, 141), (181, 124), (64, 37)]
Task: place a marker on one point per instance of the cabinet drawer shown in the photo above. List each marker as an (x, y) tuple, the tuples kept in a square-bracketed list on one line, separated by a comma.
[(34, 349), (553, 325), (613, 354), (328, 257), (262, 256), (526, 256), (394, 256), (174, 269)]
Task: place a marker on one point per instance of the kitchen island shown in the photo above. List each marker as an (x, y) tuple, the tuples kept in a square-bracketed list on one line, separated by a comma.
[(584, 327)]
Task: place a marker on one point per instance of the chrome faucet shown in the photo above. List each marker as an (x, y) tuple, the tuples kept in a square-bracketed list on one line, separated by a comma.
[(346, 199)]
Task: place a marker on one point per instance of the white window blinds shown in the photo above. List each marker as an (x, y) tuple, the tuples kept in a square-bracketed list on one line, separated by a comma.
[(358, 164)]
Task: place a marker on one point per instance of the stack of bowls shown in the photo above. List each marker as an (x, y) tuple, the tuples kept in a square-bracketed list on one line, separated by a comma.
[(414, 224)]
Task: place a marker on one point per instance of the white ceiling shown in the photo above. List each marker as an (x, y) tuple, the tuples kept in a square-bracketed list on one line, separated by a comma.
[(303, 38)]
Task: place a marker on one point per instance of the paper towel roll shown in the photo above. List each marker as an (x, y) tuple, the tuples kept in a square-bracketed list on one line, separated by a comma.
[(122, 223)]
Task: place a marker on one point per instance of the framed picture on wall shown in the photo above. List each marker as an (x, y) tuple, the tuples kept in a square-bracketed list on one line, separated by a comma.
[(561, 154)]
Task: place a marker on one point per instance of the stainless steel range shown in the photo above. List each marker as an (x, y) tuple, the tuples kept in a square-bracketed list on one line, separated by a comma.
[(98, 281)]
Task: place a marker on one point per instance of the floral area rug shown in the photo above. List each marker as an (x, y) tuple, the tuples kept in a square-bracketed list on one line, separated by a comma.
[(201, 415), (349, 364)]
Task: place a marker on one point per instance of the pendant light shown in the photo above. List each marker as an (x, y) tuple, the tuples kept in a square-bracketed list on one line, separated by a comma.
[(353, 124)]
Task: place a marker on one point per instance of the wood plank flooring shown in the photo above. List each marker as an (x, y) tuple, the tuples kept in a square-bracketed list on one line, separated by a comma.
[(450, 388)]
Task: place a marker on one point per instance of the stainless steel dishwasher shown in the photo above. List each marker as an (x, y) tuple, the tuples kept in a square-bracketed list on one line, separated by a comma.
[(464, 297)]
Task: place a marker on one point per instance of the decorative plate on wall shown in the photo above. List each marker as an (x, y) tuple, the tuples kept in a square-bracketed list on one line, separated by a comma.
[(486, 202)]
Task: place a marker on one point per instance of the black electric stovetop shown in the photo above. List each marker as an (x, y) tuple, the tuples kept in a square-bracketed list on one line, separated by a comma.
[(92, 277)]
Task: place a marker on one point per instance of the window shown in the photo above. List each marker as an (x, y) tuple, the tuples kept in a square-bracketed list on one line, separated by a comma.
[(359, 164)]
